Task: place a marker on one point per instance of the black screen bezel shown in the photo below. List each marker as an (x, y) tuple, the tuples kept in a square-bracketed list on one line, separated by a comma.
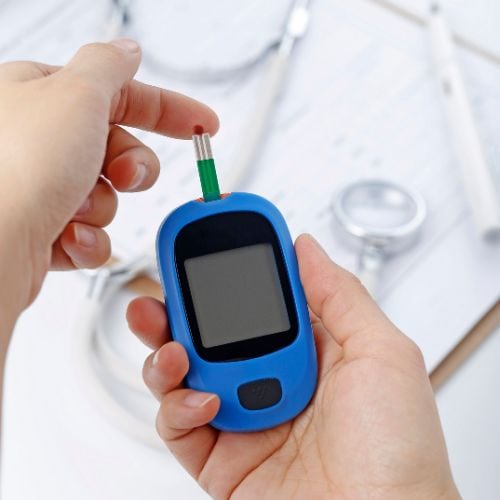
[(228, 231)]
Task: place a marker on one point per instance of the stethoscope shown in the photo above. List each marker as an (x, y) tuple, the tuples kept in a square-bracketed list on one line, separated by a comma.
[(95, 359), (121, 22), (381, 219), (390, 224)]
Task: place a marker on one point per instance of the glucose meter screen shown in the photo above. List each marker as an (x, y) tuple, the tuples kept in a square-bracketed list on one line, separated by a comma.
[(237, 295)]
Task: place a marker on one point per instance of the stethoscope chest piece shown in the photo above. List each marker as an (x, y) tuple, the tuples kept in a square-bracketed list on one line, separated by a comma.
[(379, 217)]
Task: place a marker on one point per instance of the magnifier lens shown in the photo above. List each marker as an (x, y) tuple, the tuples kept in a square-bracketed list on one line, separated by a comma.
[(378, 206)]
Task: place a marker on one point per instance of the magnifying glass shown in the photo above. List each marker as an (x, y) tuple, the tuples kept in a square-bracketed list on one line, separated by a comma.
[(382, 219)]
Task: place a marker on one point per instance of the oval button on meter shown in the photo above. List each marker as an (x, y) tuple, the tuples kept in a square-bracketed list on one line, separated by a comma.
[(260, 394)]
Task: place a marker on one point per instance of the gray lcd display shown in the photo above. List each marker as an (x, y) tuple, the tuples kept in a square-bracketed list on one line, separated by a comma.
[(237, 295)]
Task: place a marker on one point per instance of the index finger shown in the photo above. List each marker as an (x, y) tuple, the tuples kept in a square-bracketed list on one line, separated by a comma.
[(163, 111), (138, 104)]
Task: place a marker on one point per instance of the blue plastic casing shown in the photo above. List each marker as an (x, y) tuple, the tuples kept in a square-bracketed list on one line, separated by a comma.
[(294, 366)]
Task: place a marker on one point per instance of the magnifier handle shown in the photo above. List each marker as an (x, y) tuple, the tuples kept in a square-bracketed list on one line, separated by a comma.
[(370, 263)]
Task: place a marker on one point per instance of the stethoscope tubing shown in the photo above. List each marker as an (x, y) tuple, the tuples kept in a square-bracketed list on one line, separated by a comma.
[(90, 347)]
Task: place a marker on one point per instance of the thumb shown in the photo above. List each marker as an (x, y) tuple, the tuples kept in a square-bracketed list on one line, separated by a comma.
[(106, 66), (337, 297)]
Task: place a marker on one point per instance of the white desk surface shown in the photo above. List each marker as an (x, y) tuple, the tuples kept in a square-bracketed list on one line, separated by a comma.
[(57, 445)]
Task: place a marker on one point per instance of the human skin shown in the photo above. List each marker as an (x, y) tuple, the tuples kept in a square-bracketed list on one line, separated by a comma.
[(64, 155), (371, 431)]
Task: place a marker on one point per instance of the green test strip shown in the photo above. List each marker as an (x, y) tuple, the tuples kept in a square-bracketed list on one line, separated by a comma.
[(206, 167), (208, 179)]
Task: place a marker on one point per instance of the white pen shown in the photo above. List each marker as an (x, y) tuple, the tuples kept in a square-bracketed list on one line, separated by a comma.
[(274, 78), (476, 175)]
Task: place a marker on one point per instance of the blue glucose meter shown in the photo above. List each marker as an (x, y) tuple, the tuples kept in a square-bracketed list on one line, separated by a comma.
[(235, 302)]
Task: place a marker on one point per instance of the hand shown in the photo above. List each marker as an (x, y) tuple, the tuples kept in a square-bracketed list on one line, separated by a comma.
[(371, 431), (64, 154)]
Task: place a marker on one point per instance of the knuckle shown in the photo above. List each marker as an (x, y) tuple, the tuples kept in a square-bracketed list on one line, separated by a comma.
[(162, 428), (14, 66), (412, 352), (79, 83), (75, 75), (349, 281), (415, 353), (343, 294), (22, 70), (105, 54), (354, 281), (120, 104)]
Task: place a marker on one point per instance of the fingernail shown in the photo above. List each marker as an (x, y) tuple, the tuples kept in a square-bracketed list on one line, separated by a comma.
[(141, 171), (156, 357), (85, 237), (198, 399), (126, 44), (84, 207)]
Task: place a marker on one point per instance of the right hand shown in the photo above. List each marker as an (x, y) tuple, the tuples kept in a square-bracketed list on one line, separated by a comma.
[(65, 154), (371, 431)]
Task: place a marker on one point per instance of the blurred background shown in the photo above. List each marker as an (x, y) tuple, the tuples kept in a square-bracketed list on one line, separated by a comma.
[(357, 128)]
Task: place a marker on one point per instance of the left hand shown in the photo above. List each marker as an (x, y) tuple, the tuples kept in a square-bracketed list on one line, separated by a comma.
[(371, 430), (64, 154)]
